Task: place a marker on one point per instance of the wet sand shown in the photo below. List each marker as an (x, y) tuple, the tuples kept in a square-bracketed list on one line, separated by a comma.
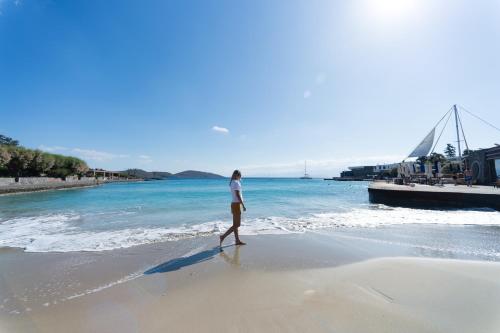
[(314, 282)]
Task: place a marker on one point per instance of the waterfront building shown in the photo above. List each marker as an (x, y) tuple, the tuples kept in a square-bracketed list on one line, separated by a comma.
[(358, 172), (484, 164), (385, 168)]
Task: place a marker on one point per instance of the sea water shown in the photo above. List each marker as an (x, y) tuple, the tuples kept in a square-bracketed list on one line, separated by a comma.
[(121, 215)]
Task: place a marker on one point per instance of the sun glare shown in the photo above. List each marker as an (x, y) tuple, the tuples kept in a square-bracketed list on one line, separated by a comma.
[(389, 11)]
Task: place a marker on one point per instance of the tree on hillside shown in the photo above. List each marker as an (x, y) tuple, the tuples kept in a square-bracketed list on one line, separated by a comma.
[(4, 159), (433, 158), (467, 152), (66, 165), (40, 164), (19, 161), (421, 159), (436, 157), (59, 168), (47, 164), (35, 163), (4, 156), (76, 165), (450, 151), (5, 140)]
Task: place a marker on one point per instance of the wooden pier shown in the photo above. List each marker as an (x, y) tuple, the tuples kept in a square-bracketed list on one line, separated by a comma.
[(426, 196)]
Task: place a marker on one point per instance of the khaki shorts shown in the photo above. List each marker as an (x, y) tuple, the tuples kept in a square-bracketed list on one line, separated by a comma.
[(236, 208)]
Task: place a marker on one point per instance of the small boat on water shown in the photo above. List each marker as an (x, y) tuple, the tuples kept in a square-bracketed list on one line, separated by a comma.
[(306, 175)]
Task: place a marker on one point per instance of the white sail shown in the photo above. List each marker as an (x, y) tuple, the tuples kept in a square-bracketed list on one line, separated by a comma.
[(425, 146)]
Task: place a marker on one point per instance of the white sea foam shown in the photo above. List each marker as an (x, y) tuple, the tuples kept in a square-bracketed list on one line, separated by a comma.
[(460, 249), (127, 278), (59, 233)]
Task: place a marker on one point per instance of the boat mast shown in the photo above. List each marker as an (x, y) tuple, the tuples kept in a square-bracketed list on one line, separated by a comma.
[(305, 168), (458, 133)]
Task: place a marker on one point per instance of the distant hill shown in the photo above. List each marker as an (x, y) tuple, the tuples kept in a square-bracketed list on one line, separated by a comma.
[(139, 173), (159, 175), (193, 174)]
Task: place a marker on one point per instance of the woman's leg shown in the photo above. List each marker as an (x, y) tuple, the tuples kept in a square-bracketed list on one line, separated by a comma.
[(230, 230), (234, 228), (236, 225)]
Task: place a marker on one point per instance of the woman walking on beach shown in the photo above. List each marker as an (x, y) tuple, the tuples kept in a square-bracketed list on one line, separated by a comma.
[(236, 204)]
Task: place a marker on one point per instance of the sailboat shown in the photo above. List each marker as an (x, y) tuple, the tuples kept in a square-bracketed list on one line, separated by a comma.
[(427, 146), (306, 175)]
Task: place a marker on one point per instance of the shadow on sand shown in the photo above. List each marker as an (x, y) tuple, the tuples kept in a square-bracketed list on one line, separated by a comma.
[(178, 263)]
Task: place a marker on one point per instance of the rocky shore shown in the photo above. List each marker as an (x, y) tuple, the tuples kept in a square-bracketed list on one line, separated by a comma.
[(35, 184)]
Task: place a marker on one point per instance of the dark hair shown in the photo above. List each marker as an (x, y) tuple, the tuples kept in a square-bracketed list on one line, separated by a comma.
[(236, 173)]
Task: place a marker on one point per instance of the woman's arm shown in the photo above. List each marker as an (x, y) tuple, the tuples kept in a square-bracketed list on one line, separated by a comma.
[(240, 199)]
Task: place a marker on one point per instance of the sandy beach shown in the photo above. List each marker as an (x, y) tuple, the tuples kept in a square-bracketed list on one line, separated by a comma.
[(311, 282), (354, 146)]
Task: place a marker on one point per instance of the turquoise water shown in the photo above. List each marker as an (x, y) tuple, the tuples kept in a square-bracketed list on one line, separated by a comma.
[(179, 202), (127, 214)]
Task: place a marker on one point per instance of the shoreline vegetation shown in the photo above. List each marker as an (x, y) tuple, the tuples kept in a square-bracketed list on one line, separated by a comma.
[(15, 185), (41, 184), (25, 170), (18, 161)]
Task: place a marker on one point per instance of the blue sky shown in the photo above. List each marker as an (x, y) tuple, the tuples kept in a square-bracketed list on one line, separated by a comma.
[(256, 85)]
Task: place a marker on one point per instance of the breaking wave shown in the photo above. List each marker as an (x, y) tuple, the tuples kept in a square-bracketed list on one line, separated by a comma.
[(61, 233)]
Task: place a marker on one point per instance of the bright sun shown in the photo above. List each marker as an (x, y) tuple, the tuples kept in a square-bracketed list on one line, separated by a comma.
[(391, 10)]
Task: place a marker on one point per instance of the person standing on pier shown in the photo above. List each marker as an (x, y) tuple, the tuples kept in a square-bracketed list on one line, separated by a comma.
[(468, 177)]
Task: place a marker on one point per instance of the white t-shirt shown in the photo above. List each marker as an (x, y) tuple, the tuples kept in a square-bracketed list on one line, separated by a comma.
[(236, 186)]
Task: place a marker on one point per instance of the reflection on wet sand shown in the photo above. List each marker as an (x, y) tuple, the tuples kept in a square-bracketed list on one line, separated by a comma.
[(233, 260)]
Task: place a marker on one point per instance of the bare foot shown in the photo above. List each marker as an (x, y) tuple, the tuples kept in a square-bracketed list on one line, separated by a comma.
[(240, 243), (220, 241)]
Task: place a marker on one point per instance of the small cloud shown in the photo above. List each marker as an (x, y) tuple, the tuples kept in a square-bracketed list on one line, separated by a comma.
[(17, 3), (96, 155), (220, 129), (307, 94), (52, 149), (145, 159), (88, 154), (320, 78)]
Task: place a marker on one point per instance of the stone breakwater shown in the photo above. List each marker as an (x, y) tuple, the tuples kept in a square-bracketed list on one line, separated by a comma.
[(32, 184)]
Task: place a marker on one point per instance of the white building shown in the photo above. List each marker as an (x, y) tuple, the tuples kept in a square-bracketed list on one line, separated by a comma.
[(385, 167)]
